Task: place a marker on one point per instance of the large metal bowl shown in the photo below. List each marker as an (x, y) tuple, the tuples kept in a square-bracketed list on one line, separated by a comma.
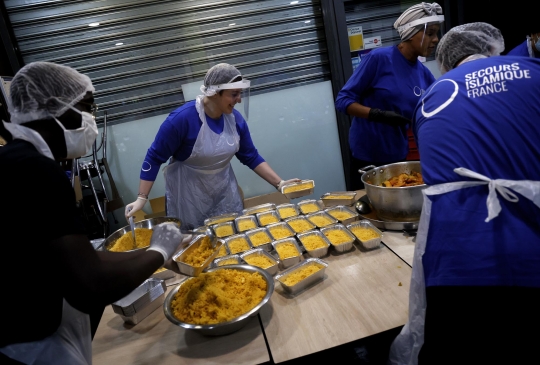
[(234, 324), (401, 204), (147, 223)]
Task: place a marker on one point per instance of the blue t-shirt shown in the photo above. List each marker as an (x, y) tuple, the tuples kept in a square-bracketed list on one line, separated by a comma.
[(178, 133), (385, 80), (520, 50), (484, 116)]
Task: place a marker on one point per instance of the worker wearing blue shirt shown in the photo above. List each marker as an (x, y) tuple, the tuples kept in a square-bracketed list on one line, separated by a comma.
[(202, 137), (529, 48), (476, 270), (384, 89)]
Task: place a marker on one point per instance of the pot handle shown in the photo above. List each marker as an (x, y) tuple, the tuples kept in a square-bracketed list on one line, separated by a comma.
[(363, 170)]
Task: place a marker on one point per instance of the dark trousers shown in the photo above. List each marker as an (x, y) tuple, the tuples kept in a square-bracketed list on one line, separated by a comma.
[(481, 325)]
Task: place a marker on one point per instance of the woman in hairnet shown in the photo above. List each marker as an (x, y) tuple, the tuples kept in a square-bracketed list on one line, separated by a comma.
[(384, 89), (475, 284), (57, 275), (202, 136)]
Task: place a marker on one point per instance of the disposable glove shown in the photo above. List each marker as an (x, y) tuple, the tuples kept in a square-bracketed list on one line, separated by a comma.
[(285, 182), (166, 238), (135, 206), (170, 264), (387, 117)]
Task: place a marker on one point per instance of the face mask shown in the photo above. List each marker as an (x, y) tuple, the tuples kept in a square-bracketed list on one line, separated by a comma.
[(80, 140)]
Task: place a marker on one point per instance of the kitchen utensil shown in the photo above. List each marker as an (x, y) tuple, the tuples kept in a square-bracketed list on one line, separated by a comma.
[(208, 232), (132, 226)]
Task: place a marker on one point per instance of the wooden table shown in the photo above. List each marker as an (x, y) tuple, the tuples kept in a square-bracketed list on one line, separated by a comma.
[(155, 340), (363, 293), (401, 243)]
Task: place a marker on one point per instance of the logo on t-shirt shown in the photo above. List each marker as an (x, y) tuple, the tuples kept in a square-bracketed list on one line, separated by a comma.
[(418, 91), (443, 88), (146, 166), (493, 79)]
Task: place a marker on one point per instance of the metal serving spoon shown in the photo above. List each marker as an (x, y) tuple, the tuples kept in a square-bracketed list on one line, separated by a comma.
[(208, 232)]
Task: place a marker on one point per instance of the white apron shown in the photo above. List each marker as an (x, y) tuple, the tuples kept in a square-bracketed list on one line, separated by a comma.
[(204, 185), (71, 344), (407, 345)]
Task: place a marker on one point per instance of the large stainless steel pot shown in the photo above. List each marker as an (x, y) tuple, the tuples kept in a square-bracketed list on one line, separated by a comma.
[(402, 204)]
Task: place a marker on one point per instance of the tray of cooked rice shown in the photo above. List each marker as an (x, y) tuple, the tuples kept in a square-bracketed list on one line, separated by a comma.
[(220, 219), (288, 251), (309, 206), (298, 189), (245, 223), (321, 219), (315, 243), (343, 214), (224, 229), (267, 218), (223, 251), (340, 237), (260, 258), (260, 238), (227, 260), (302, 275), (338, 198), (220, 301), (122, 240), (197, 255), (259, 208), (280, 230), (366, 233), (287, 210), (238, 243), (300, 224)]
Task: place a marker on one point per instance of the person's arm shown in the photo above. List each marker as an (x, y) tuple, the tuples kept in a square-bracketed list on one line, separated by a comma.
[(267, 173)]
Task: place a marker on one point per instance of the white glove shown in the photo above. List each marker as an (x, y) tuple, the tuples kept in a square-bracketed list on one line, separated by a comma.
[(166, 238), (285, 182), (135, 206)]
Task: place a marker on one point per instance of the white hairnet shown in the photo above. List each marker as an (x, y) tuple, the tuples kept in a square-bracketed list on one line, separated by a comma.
[(222, 73), (416, 12), (466, 40), (42, 89)]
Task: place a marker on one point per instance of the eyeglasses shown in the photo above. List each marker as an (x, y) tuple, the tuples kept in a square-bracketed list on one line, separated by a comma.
[(92, 106)]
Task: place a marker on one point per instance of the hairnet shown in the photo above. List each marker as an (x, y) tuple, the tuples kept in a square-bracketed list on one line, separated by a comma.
[(466, 40), (413, 13), (43, 89), (222, 73)]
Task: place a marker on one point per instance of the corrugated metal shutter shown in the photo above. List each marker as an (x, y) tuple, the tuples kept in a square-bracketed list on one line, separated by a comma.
[(275, 43)]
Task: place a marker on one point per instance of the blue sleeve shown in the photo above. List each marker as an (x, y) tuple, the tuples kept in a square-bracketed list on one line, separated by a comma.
[(167, 141), (520, 50), (247, 154), (360, 81)]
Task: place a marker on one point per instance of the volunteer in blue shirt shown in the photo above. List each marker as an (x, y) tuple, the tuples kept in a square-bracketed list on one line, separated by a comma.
[(475, 284), (384, 89), (529, 48), (202, 136)]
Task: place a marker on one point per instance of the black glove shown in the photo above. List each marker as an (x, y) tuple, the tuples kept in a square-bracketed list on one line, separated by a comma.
[(387, 117)]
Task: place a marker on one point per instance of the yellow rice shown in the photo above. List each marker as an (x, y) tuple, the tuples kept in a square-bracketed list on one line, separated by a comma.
[(227, 262), (218, 296), (222, 251), (337, 236), (304, 186), (364, 234), (313, 242), (339, 197), (320, 221), (238, 245), (245, 224), (309, 208), (259, 260), (198, 255), (287, 212), (298, 275), (301, 225), (340, 215), (221, 220), (286, 250), (268, 219), (259, 238), (125, 242), (224, 231), (279, 233)]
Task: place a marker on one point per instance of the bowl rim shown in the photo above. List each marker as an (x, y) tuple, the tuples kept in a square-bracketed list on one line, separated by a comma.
[(269, 291)]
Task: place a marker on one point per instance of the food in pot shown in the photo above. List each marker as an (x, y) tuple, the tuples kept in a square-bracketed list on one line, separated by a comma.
[(415, 178), (364, 234), (298, 187), (218, 296), (125, 242), (259, 260), (298, 275), (286, 250), (337, 236), (313, 242), (232, 261), (238, 245), (301, 225), (198, 255), (222, 251), (320, 221), (224, 231), (259, 238), (287, 212), (245, 224), (268, 219), (279, 232), (340, 215), (309, 208)]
